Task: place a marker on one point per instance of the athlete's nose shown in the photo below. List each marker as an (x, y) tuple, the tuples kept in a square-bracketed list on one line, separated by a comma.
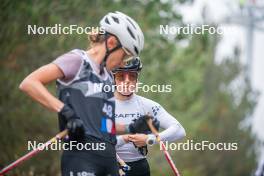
[(126, 78)]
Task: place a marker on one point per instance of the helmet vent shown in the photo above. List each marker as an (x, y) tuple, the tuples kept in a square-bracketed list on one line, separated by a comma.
[(107, 21), (130, 32), (131, 23), (115, 19), (136, 50)]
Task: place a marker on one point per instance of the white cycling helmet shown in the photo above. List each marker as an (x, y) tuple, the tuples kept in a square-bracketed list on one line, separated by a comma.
[(125, 29)]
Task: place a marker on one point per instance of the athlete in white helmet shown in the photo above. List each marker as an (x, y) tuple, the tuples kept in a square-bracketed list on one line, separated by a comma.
[(126, 29), (132, 148), (84, 109)]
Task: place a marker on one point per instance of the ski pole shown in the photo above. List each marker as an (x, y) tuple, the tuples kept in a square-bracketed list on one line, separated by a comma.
[(166, 153), (32, 153)]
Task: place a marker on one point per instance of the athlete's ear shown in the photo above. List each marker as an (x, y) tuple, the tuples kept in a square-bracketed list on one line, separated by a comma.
[(112, 42)]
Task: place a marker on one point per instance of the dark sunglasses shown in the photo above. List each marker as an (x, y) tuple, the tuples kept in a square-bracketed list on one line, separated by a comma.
[(120, 76)]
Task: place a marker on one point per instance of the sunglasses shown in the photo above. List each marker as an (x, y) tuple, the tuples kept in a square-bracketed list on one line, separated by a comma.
[(121, 76)]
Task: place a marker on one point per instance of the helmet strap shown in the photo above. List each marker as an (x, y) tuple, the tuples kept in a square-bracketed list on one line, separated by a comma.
[(108, 52)]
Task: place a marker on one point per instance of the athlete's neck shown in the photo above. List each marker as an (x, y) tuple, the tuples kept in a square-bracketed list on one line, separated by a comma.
[(121, 97), (97, 54)]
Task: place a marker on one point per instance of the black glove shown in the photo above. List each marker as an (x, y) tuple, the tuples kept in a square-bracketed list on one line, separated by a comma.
[(74, 123), (140, 125)]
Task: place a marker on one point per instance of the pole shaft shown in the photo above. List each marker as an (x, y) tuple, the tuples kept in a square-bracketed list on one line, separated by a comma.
[(166, 153), (33, 152)]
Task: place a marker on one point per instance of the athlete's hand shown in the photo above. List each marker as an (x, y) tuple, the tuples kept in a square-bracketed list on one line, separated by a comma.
[(76, 129), (125, 138), (138, 139), (140, 125), (74, 124)]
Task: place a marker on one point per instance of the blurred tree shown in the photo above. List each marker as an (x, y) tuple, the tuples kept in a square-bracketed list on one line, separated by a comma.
[(211, 101)]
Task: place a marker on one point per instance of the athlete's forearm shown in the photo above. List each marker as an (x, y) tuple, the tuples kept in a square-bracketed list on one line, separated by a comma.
[(174, 132), (38, 92), (34, 86)]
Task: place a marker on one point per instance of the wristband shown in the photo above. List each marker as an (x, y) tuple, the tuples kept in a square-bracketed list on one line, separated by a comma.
[(151, 140)]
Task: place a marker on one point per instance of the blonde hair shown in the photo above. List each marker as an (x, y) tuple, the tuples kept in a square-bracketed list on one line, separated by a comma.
[(96, 37)]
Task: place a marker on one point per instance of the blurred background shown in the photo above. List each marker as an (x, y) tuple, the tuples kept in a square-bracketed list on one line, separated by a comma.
[(217, 82)]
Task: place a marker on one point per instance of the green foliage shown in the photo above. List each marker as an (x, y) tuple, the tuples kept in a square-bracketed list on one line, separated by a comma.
[(200, 97)]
